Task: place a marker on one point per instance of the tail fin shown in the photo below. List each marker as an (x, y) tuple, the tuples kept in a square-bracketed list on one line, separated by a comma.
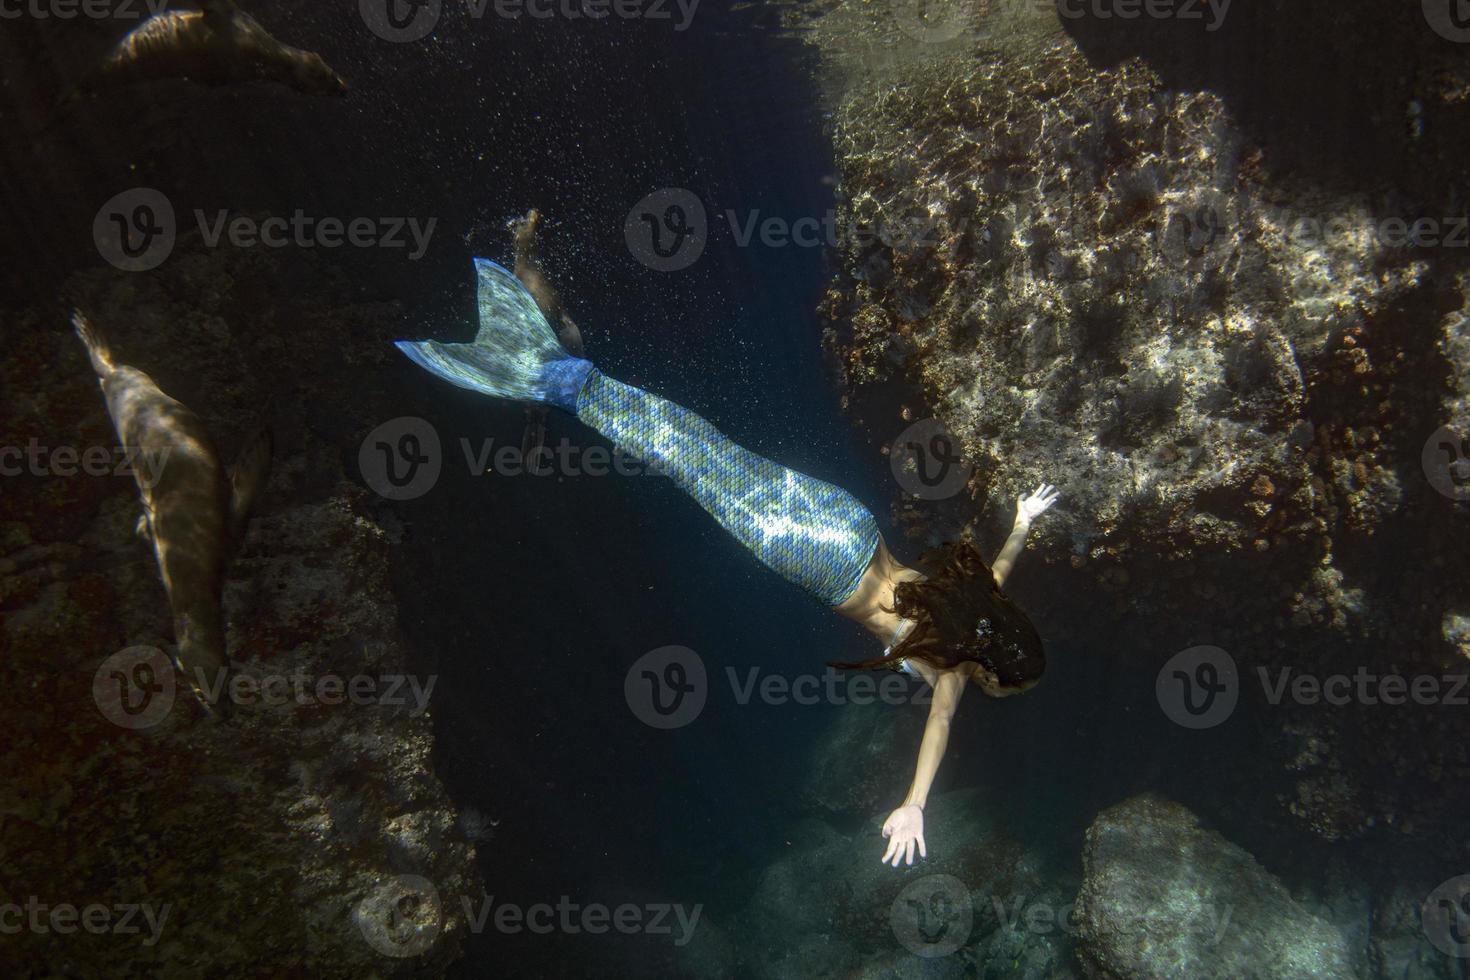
[(97, 348), (515, 355)]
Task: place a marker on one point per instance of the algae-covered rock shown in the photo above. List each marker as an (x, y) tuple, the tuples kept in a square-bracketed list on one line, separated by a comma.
[(1164, 897), (267, 844)]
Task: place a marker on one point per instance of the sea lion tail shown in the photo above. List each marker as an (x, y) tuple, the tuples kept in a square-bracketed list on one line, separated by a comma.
[(97, 349), (515, 355)]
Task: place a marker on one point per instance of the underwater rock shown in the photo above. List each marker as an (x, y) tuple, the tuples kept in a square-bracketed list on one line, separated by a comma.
[(1163, 897), (1143, 284), (268, 840), (862, 757), (826, 907)]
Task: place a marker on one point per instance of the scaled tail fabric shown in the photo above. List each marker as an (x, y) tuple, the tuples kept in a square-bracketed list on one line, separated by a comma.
[(814, 534)]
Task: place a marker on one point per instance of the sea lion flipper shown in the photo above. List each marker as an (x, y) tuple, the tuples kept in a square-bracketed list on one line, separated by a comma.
[(248, 476), (97, 349), (144, 528)]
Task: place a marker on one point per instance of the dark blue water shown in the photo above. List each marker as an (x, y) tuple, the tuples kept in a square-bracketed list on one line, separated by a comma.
[(536, 594)]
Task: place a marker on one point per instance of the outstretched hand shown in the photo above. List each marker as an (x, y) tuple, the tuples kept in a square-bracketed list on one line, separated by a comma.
[(1030, 507), (904, 828)]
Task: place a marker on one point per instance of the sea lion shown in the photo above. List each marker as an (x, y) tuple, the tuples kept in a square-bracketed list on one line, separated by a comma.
[(528, 270), (217, 45), (194, 513)]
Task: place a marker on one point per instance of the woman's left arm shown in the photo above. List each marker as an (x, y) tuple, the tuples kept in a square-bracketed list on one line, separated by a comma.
[(1027, 509)]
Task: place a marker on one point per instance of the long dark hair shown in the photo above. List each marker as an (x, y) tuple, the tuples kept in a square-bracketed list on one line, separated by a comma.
[(961, 615)]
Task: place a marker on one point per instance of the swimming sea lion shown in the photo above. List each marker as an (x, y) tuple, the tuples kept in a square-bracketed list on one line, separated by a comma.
[(194, 513), (528, 271), (217, 45)]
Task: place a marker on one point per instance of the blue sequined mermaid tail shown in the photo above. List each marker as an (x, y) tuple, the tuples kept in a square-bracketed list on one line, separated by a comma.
[(814, 534)]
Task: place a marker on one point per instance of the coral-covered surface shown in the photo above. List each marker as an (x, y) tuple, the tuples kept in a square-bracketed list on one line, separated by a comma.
[(259, 845), (1232, 366)]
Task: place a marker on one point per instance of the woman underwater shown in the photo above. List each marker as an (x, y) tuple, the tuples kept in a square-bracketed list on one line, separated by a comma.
[(949, 628)]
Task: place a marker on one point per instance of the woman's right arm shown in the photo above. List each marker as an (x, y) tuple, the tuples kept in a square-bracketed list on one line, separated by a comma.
[(904, 828)]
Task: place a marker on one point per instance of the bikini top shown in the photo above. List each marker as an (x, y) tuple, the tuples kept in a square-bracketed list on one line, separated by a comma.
[(903, 666)]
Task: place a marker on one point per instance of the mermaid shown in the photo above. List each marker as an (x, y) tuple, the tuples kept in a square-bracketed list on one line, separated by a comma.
[(951, 627)]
